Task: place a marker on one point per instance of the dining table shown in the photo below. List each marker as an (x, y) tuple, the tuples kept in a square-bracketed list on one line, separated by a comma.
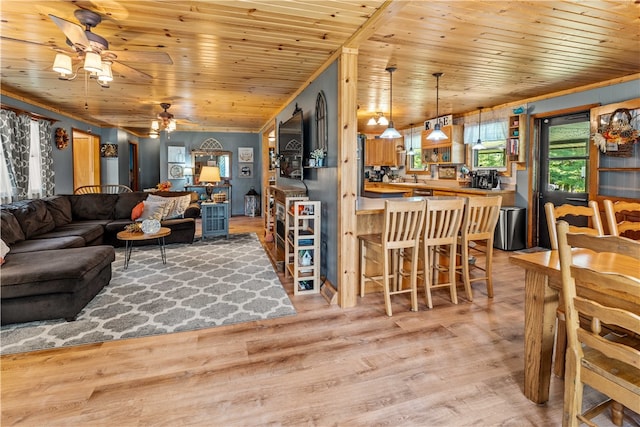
[(542, 294)]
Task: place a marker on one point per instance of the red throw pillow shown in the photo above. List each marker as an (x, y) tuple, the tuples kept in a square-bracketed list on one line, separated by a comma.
[(137, 211)]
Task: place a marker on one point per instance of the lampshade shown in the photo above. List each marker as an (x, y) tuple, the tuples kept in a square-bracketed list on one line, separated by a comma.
[(210, 174), (155, 125), (62, 64), (153, 134), (105, 75), (390, 132), (372, 122), (382, 120), (92, 62), (188, 171), (437, 134)]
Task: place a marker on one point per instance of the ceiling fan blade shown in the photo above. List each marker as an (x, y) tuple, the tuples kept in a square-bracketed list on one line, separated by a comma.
[(74, 32), (138, 56), (129, 72)]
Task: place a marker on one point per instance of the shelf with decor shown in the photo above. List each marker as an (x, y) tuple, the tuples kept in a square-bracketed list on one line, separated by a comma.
[(516, 137), (302, 249), (451, 150)]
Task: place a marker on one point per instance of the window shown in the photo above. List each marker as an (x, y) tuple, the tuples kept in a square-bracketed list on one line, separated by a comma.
[(493, 136)]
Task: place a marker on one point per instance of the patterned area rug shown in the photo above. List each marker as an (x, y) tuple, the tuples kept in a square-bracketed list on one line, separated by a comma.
[(205, 284)]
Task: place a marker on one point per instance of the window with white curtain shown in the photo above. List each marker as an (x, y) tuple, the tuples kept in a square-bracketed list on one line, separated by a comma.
[(35, 161), (493, 136)]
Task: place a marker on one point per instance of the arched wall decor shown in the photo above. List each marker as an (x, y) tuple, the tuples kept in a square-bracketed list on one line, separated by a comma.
[(211, 144), (321, 122)]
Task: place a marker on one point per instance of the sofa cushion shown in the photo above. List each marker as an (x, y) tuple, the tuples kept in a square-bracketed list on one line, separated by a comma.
[(126, 202), (153, 210), (51, 271), (36, 245), (88, 231), (60, 209), (93, 206), (33, 216), (10, 228)]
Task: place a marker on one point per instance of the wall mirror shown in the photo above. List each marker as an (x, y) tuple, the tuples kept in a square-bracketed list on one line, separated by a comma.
[(222, 159)]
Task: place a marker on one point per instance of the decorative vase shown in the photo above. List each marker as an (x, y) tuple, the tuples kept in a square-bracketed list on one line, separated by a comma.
[(319, 163)]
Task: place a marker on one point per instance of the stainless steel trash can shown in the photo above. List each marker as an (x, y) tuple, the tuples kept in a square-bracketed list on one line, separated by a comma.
[(510, 233)]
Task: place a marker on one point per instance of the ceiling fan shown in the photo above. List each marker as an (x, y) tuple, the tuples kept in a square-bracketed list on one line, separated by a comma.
[(89, 46), (165, 122)]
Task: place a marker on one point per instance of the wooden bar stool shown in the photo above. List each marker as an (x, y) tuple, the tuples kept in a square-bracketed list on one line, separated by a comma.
[(400, 237), (442, 221), (480, 218)]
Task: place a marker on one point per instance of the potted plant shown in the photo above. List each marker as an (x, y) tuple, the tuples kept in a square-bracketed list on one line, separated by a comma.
[(318, 154)]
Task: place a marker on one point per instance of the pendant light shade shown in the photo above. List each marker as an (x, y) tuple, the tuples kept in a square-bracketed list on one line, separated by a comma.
[(478, 145), (437, 134), (105, 75), (62, 64), (390, 132), (92, 62)]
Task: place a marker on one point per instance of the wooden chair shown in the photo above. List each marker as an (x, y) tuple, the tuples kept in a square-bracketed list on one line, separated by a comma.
[(620, 227), (403, 221), (480, 218), (589, 213), (442, 221), (608, 362), (104, 189)]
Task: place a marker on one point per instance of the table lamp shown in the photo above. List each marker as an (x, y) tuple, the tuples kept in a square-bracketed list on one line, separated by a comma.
[(188, 172), (208, 176)]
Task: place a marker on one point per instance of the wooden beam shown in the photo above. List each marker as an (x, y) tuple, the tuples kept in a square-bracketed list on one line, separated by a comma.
[(347, 177)]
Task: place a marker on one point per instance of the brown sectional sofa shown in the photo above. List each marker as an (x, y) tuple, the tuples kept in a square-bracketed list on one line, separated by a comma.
[(61, 250)]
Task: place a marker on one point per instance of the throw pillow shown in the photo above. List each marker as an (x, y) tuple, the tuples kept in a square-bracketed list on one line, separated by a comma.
[(182, 203), (4, 250), (169, 203), (137, 210), (152, 210)]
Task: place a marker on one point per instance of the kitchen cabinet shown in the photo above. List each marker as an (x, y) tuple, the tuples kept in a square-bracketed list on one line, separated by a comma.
[(382, 151), (451, 150)]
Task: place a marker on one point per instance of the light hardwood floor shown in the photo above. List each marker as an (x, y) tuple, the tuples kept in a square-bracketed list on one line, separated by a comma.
[(451, 366)]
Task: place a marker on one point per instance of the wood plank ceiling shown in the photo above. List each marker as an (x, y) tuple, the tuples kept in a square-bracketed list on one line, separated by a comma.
[(235, 64)]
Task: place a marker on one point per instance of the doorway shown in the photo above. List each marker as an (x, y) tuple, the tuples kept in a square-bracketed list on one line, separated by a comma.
[(133, 166), (86, 159), (564, 166)]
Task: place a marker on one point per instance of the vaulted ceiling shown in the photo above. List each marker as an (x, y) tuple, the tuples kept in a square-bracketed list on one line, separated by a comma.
[(235, 64)]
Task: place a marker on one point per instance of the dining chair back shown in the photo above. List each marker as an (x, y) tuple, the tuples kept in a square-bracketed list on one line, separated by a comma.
[(102, 189), (480, 218), (590, 214), (443, 218), (606, 361), (622, 210), (390, 253)]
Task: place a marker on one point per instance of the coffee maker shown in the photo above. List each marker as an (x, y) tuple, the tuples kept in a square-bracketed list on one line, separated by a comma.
[(485, 179)]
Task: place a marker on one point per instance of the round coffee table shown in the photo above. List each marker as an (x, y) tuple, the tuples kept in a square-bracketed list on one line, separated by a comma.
[(130, 237)]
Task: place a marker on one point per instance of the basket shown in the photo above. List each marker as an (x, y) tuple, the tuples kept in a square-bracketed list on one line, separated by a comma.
[(219, 197), (620, 137)]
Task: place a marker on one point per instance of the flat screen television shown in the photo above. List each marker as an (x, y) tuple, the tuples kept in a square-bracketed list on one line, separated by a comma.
[(290, 146)]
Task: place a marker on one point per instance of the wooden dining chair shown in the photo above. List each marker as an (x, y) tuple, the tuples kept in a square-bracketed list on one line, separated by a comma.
[(606, 361), (480, 218), (589, 214), (442, 221), (622, 210), (383, 256), (102, 189), (589, 217)]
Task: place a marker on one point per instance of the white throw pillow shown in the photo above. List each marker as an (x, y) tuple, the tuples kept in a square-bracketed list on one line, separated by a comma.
[(176, 206), (169, 202), (4, 250), (153, 210)]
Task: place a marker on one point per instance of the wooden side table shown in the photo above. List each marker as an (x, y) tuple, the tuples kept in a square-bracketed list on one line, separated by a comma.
[(215, 219), (130, 237)]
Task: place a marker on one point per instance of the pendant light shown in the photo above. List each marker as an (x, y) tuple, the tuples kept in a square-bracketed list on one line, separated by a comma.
[(478, 145), (390, 132), (437, 134), (411, 150)]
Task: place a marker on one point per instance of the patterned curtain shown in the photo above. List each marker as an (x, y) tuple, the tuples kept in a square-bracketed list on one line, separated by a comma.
[(15, 134), (46, 156)]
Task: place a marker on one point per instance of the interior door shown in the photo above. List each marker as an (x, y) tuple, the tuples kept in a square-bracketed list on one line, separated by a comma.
[(86, 159), (564, 167), (133, 166)]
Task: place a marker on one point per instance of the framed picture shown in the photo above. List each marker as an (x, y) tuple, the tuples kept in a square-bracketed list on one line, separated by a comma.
[(109, 150), (175, 171), (175, 154), (246, 171), (245, 155)]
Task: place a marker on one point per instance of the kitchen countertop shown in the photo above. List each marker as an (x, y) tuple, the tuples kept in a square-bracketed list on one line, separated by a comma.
[(438, 185)]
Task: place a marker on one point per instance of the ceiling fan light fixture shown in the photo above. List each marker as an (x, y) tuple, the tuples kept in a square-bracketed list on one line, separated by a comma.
[(105, 75), (155, 125), (390, 132), (437, 134), (92, 62), (62, 64), (372, 122), (153, 134), (382, 120)]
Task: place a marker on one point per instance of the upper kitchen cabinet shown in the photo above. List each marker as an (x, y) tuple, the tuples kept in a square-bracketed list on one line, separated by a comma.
[(382, 151), (451, 150)]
